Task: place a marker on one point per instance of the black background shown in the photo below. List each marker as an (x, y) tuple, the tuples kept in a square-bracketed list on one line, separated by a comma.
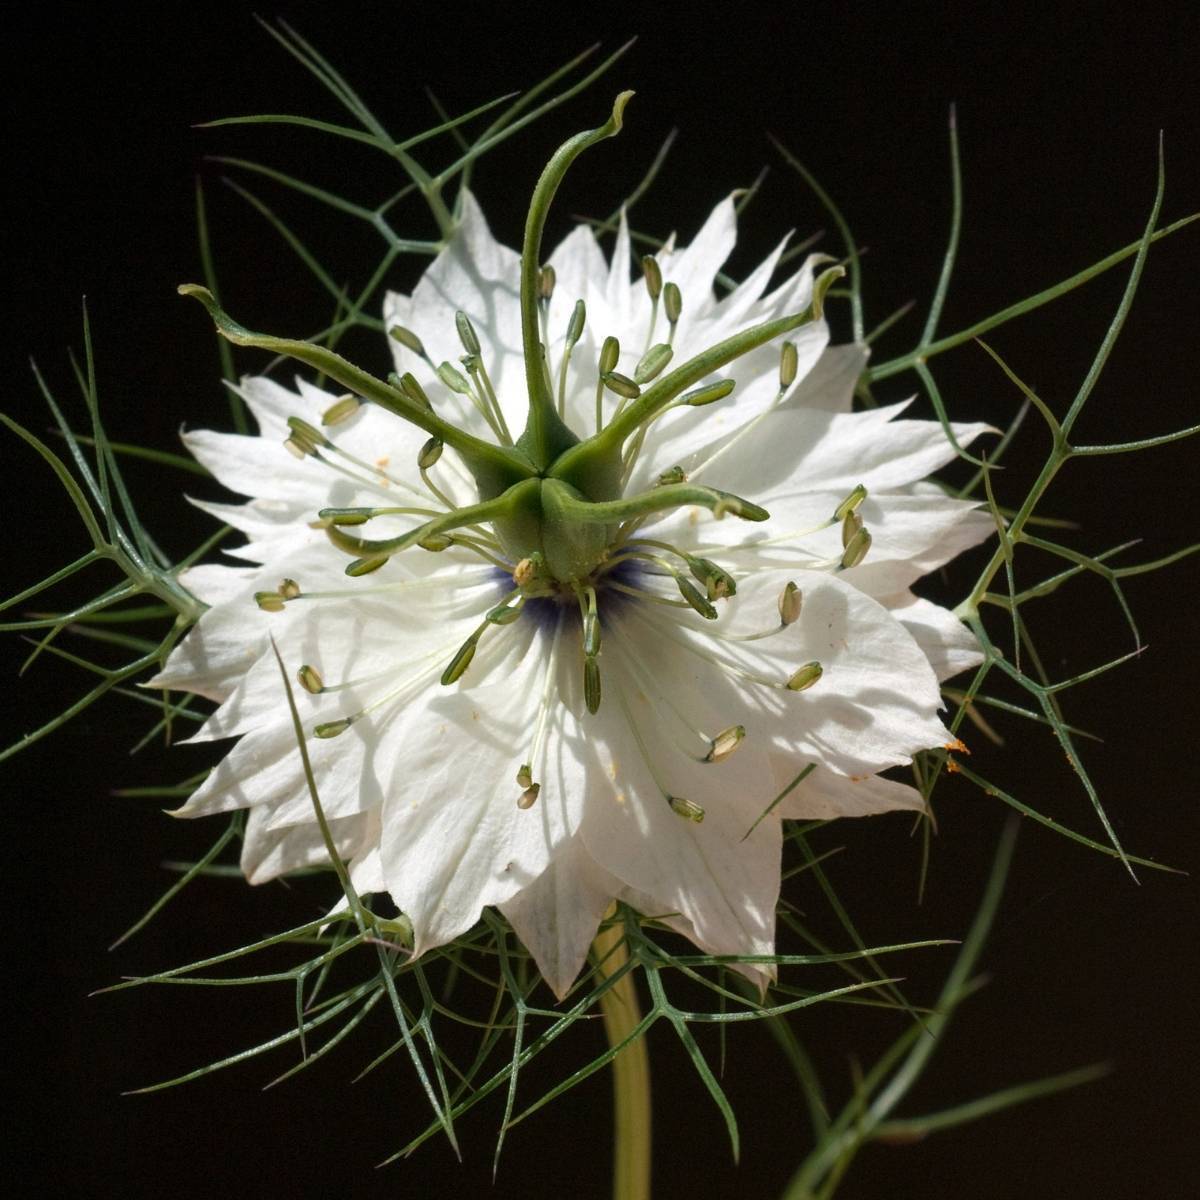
[(1059, 115)]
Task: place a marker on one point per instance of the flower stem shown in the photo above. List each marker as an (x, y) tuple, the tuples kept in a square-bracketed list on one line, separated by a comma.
[(631, 1068)]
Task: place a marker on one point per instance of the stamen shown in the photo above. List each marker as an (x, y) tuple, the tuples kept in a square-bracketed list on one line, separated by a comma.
[(652, 363), (461, 660), (695, 599), (310, 680), (788, 368), (365, 566), (545, 290), (269, 601), (790, 601), (725, 743), (341, 410), (652, 274), (663, 700), (476, 367), (527, 798), (708, 394), (414, 391), (503, 614), (857, 549), (804, 677), (466, 334), (590, 621), (717, 582), (331, 729), (610, 353), (686, 808), (622, 385), (574, 333), (289, 589), (591, 685), (672, 306), (525, 773), (851, 503), (671, 475), (789, 361), (410, 341), (360, 516), (852, 525)]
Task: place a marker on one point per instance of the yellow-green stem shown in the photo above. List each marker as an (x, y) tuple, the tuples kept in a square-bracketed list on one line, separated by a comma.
[(631, 1069)]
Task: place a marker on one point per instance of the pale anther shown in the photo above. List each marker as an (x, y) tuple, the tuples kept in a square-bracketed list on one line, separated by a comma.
[(708, 394), (686, 808), (856, 551), (790, 600), (269, 601), (527, 798), (851, 503), (725, 743), (672, 302), (546, 281), (610, 352), (653, 275), (341, 410), (461, 661), (310, 680), (789, 362), (804, 677), (577, 322), (696, 598), (466, 334), (652, 363), (622, 385), (413, 390), (525, 776), (429, 453), (591, 684), (852, 524), (332, 728), (289, 589), (407, 339)]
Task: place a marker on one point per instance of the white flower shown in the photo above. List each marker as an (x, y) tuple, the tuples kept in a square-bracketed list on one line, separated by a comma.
[(733, 655)]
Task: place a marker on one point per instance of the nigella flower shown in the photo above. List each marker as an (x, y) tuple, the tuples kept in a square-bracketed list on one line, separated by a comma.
[(644, 593)]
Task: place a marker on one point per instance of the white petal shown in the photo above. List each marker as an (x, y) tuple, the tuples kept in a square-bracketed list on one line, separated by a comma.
[(557, 915), (269, 853), (694, 268), (874, 706), (948, 644), (825, 795)]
